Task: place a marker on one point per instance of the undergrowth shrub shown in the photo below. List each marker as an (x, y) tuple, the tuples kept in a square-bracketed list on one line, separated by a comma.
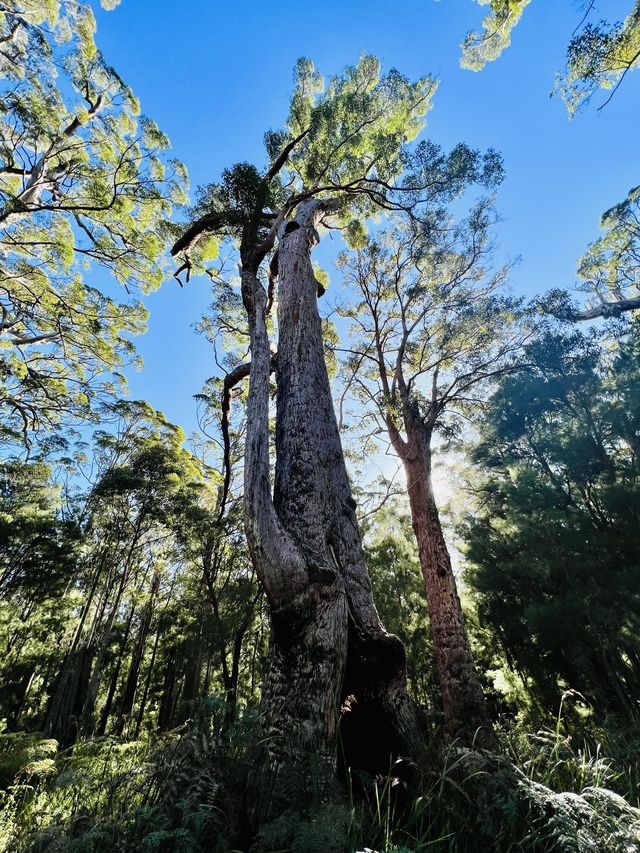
[(164, 793), (572, 752), (185, 792)]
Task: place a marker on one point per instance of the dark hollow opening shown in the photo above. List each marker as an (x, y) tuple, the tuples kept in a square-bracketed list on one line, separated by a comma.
[(368, 740)]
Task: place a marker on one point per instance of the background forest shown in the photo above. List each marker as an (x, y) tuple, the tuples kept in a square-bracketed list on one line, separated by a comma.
[(378, 586)]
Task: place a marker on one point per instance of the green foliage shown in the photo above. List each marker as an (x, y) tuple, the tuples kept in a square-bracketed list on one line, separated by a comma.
[(430, 329), (571, 753), (358, 119), (184, 791), (84, 183), (25, 757), (160, 794), (347, 140), (599, 57), (480, 48), (398, 590), (610, 268), (37, 547), (552, 551)]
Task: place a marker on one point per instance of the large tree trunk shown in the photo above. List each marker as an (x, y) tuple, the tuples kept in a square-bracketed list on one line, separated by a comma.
[(327, 642), (463, 701)]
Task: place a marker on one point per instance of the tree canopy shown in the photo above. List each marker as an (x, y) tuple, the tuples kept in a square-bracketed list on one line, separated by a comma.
[(552, 553), (85, 186)]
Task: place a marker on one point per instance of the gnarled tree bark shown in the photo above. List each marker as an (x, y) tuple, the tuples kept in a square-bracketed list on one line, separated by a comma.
[(328, 646)]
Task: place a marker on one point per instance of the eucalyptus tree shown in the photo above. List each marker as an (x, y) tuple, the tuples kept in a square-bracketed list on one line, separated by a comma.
[(144, 479), (610, 267), (85, 185), (213, 542), (430, 333), (599, 55), (40, 555), (342, 156)]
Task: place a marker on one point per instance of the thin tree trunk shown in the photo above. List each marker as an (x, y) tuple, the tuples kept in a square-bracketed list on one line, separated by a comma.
[(113, 683), (136, 658), (147, 683), (94, 682), (232, 678), (27, 682), (463, 701), (192, 653), (167, 700), (70, 685)]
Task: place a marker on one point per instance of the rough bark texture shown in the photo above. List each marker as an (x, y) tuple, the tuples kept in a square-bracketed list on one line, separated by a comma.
[(327, 641), (463, 701)]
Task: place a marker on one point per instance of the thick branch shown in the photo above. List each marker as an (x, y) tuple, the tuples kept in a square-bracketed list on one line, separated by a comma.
[(40, 178), (275, 556), (607, 309), (207, 224), (284, 155)]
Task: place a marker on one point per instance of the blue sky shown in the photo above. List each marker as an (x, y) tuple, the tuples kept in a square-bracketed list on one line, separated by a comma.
[(215, 75)]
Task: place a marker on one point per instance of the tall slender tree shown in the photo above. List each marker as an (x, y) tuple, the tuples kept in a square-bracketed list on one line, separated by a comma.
[(430, 332)]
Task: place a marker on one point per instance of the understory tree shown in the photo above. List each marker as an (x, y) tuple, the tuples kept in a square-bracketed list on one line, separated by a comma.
[(122, 608), (145, 482), (84, 184), (342, 156), (398, 589), (40, 554), (553, 551), (430, 333)]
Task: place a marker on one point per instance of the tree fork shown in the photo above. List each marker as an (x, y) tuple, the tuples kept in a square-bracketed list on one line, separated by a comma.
[(327, 642)]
